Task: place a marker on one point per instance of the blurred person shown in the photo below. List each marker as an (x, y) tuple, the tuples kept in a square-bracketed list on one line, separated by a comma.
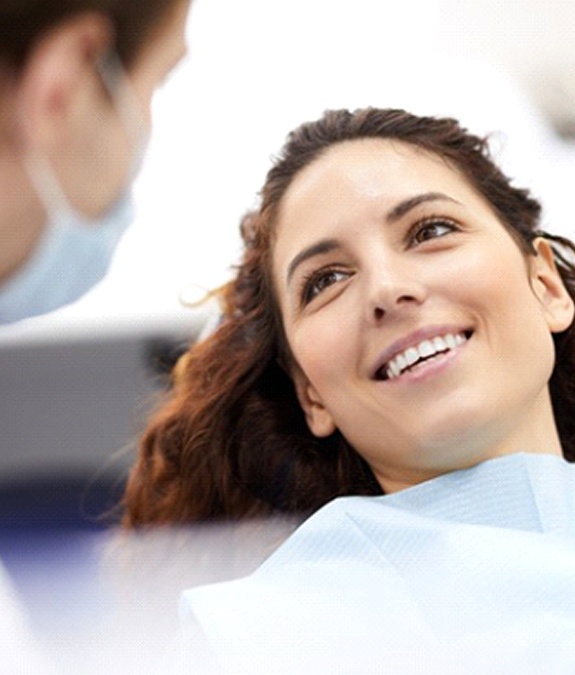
[(395, 362), (77, 79)]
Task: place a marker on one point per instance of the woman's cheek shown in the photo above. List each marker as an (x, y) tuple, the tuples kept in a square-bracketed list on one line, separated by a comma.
[(319, 347)]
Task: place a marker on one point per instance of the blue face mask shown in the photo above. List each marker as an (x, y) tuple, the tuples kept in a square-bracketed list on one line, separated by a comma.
[(73, 255), (75, 251)]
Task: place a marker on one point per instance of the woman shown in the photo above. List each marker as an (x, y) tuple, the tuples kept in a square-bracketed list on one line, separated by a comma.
[(398, 326), (76, 84)]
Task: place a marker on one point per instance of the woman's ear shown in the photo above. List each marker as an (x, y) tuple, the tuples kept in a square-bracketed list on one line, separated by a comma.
[(319, 419), (549, 288)]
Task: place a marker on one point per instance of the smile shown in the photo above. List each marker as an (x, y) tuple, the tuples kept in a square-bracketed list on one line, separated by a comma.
[(423, 351)]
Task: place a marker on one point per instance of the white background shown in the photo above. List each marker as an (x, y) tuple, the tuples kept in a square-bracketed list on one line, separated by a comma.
[(257, 68)]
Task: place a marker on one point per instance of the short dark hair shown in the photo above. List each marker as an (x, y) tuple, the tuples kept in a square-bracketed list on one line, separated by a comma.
[(22, 22)]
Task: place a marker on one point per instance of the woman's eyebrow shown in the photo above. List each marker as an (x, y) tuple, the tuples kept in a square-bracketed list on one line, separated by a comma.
[(407, 205), (320, 247)]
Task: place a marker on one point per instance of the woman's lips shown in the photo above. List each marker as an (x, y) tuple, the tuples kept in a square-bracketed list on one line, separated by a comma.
[(421, 349)]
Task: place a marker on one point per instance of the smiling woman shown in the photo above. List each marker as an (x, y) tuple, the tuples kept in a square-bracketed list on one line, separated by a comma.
[(414, 265), (396, 316), (398, 332)]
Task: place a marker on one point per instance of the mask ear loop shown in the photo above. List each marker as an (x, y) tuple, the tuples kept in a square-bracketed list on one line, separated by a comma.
[(121, 91), (47, 186)]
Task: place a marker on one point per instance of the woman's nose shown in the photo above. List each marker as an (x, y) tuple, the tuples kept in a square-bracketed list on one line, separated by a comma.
[(393, 291)]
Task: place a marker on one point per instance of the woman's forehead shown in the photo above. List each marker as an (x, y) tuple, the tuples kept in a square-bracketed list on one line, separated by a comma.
[(368, 169)]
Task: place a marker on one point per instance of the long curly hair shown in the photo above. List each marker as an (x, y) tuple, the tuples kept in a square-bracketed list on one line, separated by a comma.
[(231, 440)]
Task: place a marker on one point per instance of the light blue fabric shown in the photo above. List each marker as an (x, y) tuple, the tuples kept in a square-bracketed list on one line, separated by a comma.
[(72, 256), (473, 572)]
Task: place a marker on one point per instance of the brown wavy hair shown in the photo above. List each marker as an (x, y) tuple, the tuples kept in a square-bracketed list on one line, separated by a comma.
[(231, 441)]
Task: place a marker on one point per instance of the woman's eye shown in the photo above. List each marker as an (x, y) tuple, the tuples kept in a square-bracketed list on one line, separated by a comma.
[(432, 230), (319, 281)]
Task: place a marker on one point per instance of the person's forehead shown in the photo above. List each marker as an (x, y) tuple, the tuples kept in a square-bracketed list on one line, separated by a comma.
[(370, 165)]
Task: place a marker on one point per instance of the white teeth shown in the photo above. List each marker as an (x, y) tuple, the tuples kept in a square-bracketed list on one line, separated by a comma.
[(423, 350), (439, 344), (411, 355), (401, 362)]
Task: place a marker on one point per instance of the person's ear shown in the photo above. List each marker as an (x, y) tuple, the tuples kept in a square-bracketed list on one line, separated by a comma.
[(550, 289), (57, 71), (319, 419)]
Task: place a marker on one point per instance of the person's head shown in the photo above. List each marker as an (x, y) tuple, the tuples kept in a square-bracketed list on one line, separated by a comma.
[(63, 68), (396, 315), (77, 79)]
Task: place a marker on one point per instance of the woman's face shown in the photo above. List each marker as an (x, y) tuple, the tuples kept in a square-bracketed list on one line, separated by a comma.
[(419, 328)]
